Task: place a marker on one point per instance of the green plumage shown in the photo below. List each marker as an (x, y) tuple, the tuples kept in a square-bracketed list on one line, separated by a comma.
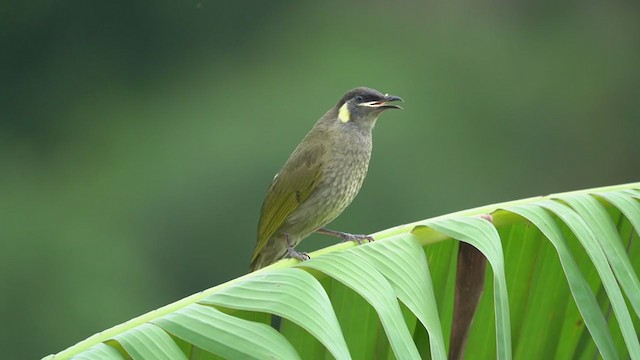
[(321, 177)]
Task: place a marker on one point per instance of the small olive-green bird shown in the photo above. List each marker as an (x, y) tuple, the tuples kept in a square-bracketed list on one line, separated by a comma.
[(320, 178)]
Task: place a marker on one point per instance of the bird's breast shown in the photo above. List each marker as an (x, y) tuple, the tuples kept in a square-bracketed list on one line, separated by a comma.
[(342, 178), (343, 172)]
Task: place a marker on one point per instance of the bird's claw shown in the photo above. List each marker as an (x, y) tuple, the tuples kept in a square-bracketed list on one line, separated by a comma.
[(292, 253), (357, 238), (302, 256)]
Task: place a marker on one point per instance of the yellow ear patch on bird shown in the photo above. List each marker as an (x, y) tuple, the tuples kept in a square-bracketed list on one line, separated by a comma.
[(344, 114)]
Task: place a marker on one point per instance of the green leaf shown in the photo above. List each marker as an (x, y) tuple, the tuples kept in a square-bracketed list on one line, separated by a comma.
[(590, 243), (99, 352), (626, 204), (482, 235), (292, 294), (606, 234), (380, 298), (404, 264), (147, 341), (225, 335), (348, 268), (584, 297)]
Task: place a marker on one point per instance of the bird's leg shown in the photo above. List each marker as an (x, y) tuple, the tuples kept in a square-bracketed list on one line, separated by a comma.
[(302, 256), (358, 238)]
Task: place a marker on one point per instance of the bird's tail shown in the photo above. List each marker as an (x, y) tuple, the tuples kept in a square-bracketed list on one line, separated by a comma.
[(271, 253), (258, 263)]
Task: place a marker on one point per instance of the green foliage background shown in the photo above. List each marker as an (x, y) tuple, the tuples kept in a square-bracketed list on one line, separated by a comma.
[(137, 139)]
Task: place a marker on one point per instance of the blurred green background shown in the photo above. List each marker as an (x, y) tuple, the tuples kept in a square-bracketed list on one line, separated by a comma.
[(137, 139)]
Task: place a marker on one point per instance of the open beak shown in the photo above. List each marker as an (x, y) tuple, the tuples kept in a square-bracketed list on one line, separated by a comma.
[(384, 104)]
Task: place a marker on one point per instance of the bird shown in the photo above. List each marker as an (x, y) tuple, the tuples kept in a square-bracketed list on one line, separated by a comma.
[(321, 177)]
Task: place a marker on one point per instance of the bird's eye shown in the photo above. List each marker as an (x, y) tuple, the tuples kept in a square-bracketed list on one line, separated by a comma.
[(359, 98)]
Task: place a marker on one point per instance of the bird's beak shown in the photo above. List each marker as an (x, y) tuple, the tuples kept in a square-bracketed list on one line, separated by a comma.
[(384, 104)]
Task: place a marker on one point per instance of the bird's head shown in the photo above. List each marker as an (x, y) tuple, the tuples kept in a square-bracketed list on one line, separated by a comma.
[(362, 106)]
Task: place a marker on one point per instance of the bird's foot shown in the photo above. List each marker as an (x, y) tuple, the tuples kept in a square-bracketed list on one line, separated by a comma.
[(357, 238), (302, 256)]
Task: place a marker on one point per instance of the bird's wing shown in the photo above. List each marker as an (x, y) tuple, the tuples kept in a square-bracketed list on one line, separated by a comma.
[(291, 187)]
